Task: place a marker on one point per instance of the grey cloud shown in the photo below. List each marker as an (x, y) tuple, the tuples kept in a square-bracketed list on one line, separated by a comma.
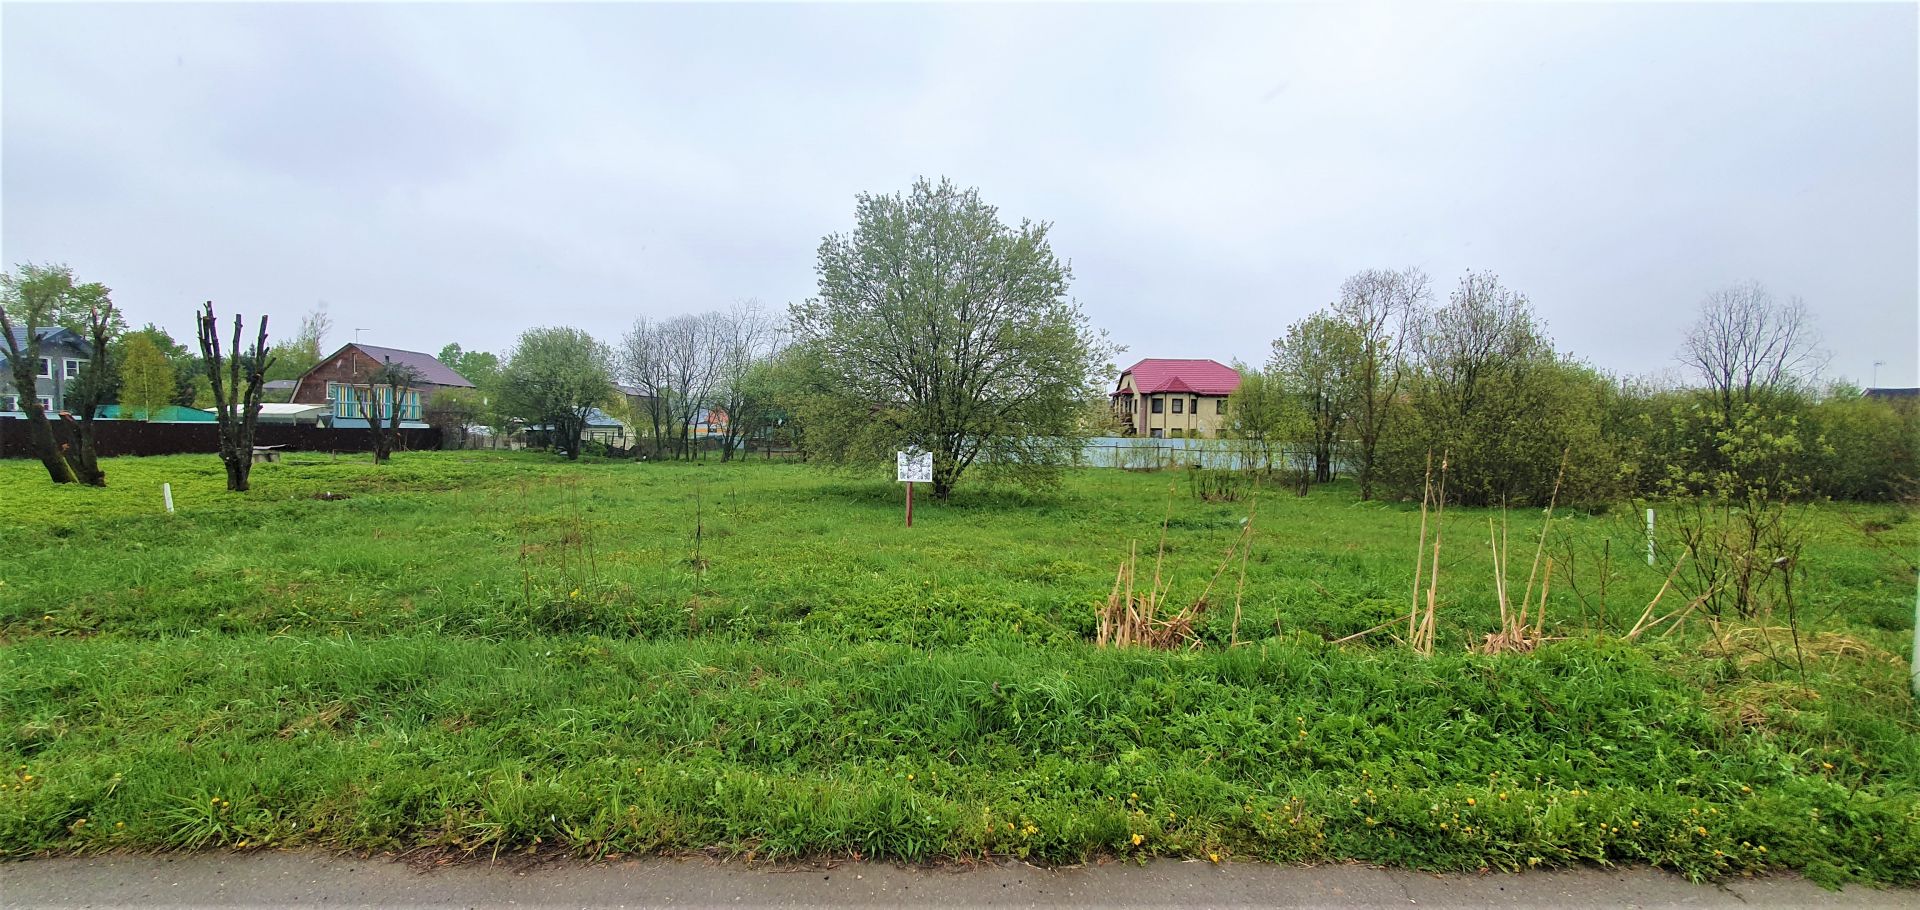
[(461, 172)]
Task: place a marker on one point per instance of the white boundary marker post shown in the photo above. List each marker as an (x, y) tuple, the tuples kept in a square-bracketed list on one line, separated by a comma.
[(1649, 537), (166, 492)]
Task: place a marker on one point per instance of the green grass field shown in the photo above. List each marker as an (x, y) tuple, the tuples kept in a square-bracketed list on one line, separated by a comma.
[(497, 652)]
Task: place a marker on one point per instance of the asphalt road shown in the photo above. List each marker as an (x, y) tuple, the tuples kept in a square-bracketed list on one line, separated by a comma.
[(307, 878)]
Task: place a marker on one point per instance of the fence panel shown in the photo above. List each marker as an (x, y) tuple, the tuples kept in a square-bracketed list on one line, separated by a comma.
[(134, 437)]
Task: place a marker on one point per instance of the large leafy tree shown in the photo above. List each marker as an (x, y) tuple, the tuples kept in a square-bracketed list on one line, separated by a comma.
[(554, 377), (1317, 362), (186, 369), (1488, 391), (939, 326), (1264, 420), (479, 367)]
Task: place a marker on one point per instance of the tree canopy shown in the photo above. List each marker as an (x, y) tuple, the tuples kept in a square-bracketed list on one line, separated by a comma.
[(553, 377), (936, 325)]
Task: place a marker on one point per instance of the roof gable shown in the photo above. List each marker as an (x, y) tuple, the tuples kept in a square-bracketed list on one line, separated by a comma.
[(1197, 377), (53, 340), (430, 369)]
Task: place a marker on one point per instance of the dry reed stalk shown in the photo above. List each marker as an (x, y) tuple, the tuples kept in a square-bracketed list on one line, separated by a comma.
[(1423, 642), (1342, 641), (1240, 587), (1640, 625), (1420, 549), (1131, 619)]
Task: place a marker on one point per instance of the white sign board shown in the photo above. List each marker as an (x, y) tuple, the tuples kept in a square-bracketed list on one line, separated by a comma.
[(915, 466)]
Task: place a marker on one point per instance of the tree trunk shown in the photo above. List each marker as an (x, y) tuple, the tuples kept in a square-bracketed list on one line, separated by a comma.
[(84, 458), (237, 472), (41, 432)]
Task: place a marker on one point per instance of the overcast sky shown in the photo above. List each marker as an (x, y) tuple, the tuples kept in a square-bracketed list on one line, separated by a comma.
[(462, 172)]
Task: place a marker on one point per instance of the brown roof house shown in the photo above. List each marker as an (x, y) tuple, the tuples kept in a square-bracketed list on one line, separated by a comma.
[(340, 378)]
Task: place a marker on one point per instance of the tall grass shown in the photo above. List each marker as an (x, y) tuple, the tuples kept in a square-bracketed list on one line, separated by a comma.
[(494, 652)]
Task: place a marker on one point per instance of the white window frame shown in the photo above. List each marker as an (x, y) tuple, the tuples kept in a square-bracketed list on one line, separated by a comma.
[(46, 402), (46, 368), (72, 367), (9, 402)]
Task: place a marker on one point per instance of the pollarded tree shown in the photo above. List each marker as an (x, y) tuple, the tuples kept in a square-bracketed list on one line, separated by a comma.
[(938, 326), (554, 377), (381, 395), (34, 299), (236, 378)]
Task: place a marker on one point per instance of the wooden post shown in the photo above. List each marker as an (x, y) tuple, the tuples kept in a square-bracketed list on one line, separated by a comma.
[(909, 503)]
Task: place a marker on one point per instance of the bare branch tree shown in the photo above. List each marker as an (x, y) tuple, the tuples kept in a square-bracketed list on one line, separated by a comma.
[(747, 335), (642, 366), (690, 349), (1381, 305), (1745, 343)]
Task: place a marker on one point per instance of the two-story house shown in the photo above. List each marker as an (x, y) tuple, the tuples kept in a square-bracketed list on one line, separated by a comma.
[(339, 381), (63, 354), (1174, 399)]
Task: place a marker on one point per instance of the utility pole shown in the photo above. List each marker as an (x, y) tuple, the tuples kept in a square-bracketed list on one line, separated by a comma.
[(356, 335), (1876, 373)]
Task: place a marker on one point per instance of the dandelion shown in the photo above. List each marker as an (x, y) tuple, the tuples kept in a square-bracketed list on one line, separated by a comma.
[(1139, 839), (1762, 848), (1826, 766), (1470, 801), (1215, 857), (1700, 830), (1503, 797), (1746, 789), (909, 777)]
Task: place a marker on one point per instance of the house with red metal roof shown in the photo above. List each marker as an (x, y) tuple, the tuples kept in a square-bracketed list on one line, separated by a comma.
[(1176, 399)]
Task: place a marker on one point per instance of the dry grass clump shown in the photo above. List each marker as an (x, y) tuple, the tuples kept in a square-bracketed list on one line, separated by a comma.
[(1763, 704), (1137, 617), (1759, 644)]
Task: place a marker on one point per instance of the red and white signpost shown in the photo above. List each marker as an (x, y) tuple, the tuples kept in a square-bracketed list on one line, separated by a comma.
[(914, 466)]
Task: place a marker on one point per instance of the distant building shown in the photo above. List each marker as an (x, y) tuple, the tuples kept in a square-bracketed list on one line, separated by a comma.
[(1163, 398), (63, 353), (1892, 394), (340, 378)]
